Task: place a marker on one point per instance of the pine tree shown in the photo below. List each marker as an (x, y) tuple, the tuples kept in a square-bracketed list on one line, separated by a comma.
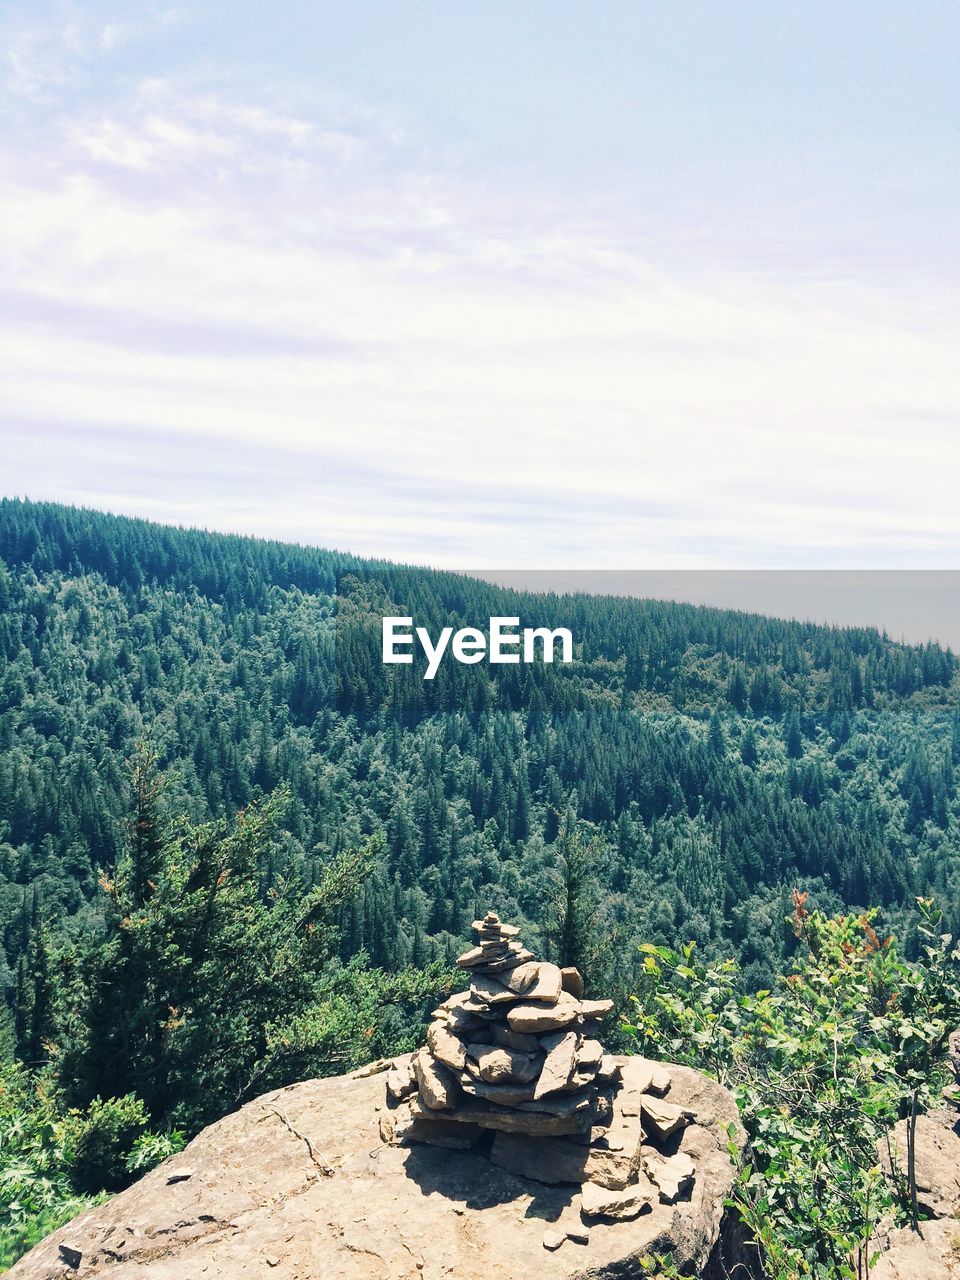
[(573, 929), (146, 827), (793, 734)]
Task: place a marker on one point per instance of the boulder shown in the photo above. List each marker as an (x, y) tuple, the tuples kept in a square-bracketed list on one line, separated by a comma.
[(298, 1186)]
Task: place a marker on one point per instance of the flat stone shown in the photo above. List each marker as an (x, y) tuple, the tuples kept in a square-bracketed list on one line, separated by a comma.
[(372, 1068), (493, 923), (475, 1111), (603, 1107), (630, 1202), (587, 1066), (622, 1142), (672, 1174), (560, 1160), (572, 982), (438, 1087), (609, 1069), (491, 990), (485, 1012), (559, 1063), (532, 1017), (660, 1118), (463, 1023), (659, 1081), (389, 1128), (534, 982), (504, 1095), (636, 1075), (562, 1104), (590, 1053), (553, 1239), (572, 1225), (513, 956), (596, 1009), (445, 1046), (582, 1076), (465, 1005), (440, 1132), (459, 1000)]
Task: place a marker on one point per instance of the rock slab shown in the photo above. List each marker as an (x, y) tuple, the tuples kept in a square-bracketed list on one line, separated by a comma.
[(298, 1185)]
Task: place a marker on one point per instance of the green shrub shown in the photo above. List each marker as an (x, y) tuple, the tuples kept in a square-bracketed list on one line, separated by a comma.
[(36, 1193), (850, 1041), (104, 1137), (54, 1162)]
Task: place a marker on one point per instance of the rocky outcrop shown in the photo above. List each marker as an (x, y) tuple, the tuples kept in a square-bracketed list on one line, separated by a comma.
[(299, 1186)]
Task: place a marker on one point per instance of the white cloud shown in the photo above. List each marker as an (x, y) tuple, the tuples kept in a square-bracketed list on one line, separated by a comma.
[(190, 261)]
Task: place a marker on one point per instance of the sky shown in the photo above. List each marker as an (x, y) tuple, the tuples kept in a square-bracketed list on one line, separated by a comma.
[(526, 283)]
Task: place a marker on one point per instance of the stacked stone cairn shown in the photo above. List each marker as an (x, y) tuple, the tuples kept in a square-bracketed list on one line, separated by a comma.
[(518, 1054)]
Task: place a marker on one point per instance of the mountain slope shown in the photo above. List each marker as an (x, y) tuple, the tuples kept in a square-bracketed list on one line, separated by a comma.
[(714, 758)]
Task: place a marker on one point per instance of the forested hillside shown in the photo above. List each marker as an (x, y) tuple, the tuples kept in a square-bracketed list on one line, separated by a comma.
[(711, 760), (236, 849)]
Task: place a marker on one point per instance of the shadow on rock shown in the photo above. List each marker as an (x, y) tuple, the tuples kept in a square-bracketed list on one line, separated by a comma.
[(468, 1178)]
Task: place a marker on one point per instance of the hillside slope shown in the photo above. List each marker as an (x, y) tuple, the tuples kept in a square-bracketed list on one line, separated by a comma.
[(716, 758)]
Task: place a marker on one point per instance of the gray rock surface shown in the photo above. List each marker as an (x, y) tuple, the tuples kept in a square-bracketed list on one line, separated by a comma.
[(938, 1160), (298, 1185), (933, 1252)]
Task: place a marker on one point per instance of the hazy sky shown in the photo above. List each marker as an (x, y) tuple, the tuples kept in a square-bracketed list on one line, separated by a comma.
[(629, 285)]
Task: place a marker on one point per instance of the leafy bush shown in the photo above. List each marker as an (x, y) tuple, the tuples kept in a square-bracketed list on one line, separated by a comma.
[(104, 1136), (52, 1158), (36, 1194), (850, 1041), (151, 1149)]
